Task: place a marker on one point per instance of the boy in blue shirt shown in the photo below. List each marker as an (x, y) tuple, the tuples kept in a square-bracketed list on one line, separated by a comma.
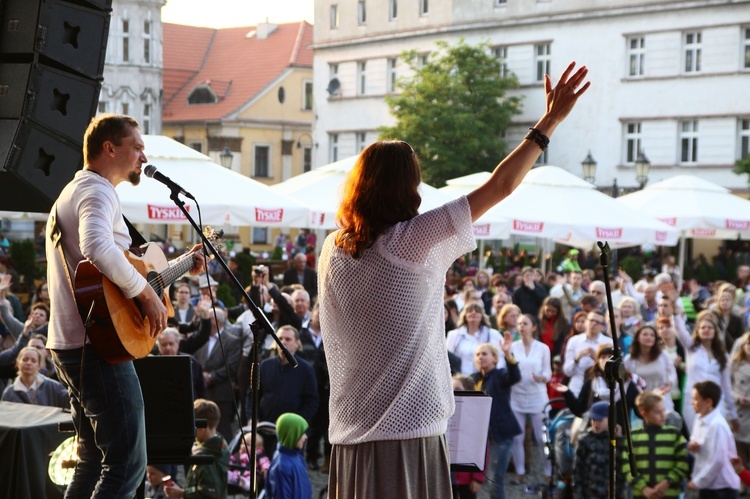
[(287, 477)]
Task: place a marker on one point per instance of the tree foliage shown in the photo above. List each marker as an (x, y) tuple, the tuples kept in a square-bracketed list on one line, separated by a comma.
[(453, 110), (743, 166)]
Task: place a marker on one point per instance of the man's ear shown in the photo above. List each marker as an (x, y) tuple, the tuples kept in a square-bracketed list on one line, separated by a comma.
[(108, 148)]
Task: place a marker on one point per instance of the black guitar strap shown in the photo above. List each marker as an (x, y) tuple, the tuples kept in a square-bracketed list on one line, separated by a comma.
[(135, 236)]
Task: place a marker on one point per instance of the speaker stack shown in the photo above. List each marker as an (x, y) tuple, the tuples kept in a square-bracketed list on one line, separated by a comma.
[(51, 66)]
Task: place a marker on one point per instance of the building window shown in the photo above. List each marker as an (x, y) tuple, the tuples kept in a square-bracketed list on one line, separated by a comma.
[(501, 3), (333, 70), (307, 98), (361, 77), (744, 140), (147, 118), (501, 53), (693, 45), (424, 7), (306, 159), (260, 235), (197, 145), (262, 154), (102, 106), (202, 95), (636, 55), (542, 58), (125, 108), (392, 74), (361, 12), (392, 10), (746, 48), (334, 16), (632, 142), (147, 42), (125, 40), (542, 159), (361, 141), (423, 60), (689, 142), (333, 153)]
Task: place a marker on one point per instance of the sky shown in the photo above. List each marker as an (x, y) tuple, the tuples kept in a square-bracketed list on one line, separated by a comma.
[(229, 13)]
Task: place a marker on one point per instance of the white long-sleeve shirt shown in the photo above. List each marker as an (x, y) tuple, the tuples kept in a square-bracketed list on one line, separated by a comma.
[(464, 344), (90, 217), (576, 370), (530, 396), (712, 469)]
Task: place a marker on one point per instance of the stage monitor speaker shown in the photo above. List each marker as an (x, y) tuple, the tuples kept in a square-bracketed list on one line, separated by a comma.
[(64, 34), (167, 386)]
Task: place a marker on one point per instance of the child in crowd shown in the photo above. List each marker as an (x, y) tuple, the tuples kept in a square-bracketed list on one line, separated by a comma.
[(155, 476), (287, 476), (591, 469), (497, 384), (557, 378), (711, 443), (241, 477), (466, 484), (205, 480), (660, 451)]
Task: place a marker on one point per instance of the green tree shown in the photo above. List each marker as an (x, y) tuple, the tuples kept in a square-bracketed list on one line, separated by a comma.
[(743, 166), (453, 110)]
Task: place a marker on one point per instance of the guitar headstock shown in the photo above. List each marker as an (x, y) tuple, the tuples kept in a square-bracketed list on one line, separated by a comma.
[(215, 236)]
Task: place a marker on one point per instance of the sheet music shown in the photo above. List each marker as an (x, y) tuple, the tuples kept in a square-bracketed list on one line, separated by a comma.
[(467, 429)]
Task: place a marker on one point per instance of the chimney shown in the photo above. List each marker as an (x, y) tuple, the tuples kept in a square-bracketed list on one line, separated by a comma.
[(264, 30)]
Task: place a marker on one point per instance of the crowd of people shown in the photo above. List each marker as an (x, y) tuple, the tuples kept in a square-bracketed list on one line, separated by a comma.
[(547, 338), (676, 339)]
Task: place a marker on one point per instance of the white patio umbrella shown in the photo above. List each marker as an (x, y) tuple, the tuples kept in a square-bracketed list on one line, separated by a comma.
[(555, 204), (225, 196), (321, 190), (695, 207)]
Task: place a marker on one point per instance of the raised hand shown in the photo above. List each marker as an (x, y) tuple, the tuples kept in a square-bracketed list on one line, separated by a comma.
[(562, 97)]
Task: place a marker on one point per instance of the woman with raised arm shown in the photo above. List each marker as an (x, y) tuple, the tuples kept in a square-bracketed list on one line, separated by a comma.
[(381, 282)]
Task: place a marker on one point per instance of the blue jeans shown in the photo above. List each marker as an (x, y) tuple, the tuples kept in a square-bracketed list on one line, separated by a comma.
[(500, 453), (108, 415)]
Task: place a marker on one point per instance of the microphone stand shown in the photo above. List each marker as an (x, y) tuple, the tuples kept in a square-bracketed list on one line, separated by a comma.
[(260, 325), (614, 372)]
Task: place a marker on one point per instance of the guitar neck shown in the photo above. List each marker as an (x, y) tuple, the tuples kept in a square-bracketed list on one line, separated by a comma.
[(176, 270)]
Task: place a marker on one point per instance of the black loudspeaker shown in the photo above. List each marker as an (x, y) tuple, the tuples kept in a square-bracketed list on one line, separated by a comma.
[(167, 386), (52, 60), (61, 33)]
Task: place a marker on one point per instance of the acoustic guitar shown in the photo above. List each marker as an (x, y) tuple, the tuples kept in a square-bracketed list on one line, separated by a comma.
[(117, 327)]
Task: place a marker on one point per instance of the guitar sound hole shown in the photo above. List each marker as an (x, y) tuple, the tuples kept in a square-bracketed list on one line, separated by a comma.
[(155, 281)]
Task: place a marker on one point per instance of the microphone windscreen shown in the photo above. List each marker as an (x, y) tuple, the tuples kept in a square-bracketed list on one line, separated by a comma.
[(149, 171)]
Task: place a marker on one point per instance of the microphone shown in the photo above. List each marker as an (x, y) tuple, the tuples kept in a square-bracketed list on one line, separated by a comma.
[(151, 172)]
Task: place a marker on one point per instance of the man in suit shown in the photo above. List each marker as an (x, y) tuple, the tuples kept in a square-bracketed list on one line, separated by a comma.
[(219, 381), (300, 274)]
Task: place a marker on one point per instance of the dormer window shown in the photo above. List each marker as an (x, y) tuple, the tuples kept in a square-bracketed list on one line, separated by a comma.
[(202, 95)]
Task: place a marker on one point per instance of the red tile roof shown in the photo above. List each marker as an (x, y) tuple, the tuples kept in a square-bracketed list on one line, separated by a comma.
[(236, 67)]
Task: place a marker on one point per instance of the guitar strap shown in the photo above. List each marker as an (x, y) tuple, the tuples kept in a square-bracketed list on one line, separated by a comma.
[(136, 237), (55, 237)]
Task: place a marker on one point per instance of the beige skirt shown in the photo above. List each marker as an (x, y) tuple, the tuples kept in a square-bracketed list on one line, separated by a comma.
[(416, 468)]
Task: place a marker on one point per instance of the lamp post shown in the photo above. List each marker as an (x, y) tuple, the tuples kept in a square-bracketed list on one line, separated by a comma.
[(642, 167), (226, 157)]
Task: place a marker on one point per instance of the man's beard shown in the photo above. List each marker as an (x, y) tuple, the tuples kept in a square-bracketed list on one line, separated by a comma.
[(134, 177)]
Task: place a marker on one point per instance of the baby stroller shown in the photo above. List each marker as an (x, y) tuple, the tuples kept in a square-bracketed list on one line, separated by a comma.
[(267, 431), (559, 450)]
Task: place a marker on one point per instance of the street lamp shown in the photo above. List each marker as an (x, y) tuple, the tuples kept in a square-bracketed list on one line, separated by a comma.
[(226, 157), (642, 167), (589, 168)]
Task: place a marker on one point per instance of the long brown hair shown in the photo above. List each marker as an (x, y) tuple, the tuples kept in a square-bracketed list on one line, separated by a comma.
[(635, 347), (381, 190), (717, 346), (559, 324)]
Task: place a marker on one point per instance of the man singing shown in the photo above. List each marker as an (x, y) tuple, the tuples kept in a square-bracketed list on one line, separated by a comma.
[(106, 399)]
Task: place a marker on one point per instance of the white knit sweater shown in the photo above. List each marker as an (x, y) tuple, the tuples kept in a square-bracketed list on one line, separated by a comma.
[(383, 330)]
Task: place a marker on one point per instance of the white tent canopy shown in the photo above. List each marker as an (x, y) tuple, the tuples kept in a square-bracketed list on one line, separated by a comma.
[(696, 207), (225, 197), (555, 204), (321, 190)]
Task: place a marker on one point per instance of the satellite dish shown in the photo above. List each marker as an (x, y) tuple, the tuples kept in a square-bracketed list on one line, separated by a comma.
[(334, 86)]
